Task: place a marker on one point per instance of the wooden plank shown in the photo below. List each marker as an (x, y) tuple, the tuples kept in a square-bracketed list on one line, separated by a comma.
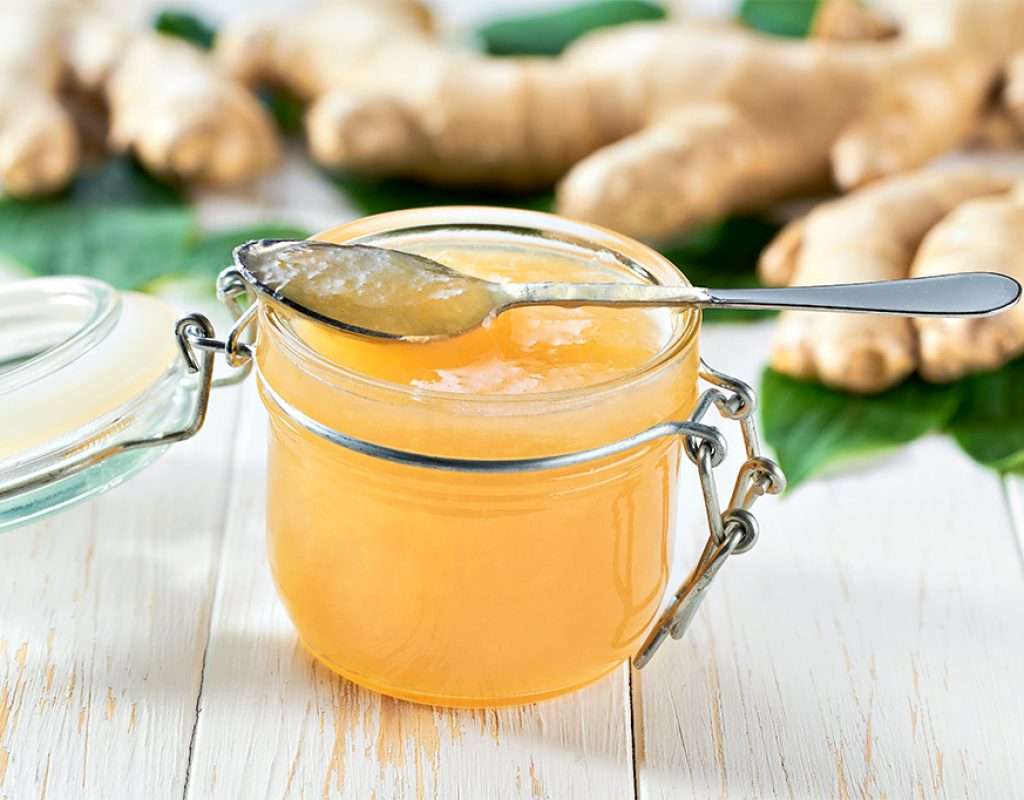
[(103, 628), (276, 723), (868, 646)]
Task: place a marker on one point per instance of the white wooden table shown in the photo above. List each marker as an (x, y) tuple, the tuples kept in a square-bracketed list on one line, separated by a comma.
[(869, 646)]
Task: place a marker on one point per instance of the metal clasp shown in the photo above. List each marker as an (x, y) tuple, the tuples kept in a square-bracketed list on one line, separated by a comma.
[(732, 531), (195, 332)]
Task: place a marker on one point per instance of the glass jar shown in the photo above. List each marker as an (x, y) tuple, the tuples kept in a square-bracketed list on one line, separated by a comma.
[(461, 588), (81, 366)]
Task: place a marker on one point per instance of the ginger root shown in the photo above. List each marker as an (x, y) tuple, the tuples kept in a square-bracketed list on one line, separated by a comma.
[(654, 126), (169, 103), (1013, 92), (986, 233), (38, 142), (387, 97), (869, 235), (934, 105), (806, 109), (851, 20)]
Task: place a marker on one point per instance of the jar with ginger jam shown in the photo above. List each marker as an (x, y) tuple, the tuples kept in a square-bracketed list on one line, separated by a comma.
[(458, 588), (479, 521)]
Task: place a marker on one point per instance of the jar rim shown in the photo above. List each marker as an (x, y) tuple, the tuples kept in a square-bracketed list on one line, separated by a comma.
[(114, 349), (46, 302), (639, 258)]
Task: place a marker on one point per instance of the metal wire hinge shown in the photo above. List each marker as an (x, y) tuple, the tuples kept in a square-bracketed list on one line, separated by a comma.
[(731, 531), (195, 333)]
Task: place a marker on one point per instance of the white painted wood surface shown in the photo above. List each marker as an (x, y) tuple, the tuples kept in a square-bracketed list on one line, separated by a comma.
[(869, 646), (104, 614)]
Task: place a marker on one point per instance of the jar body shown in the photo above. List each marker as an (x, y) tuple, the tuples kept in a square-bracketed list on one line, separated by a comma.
[(463, 588), (468, 590)]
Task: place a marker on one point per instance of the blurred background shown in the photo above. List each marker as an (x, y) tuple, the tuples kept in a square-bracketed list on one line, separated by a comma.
[(757, 141)]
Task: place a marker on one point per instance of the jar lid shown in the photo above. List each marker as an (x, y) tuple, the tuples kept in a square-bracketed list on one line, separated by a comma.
[(82, 367)]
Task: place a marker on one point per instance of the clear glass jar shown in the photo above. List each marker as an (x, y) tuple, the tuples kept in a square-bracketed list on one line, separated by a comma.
[(460, 588), (82, 367)]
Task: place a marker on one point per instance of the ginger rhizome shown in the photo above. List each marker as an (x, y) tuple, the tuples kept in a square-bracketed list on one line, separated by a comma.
[(173, 106), (653, 126), (170, 104), (916, 224), (982, 234), (38, 141)]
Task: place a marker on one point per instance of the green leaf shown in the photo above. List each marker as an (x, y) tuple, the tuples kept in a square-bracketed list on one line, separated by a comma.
[(724, 255), (183, 25), (989, 425), (550, 33), (810, 426), (123, 245), (120, 180), (114, 222), (371, 196), (213, 253), (284, 107), (791, 18)]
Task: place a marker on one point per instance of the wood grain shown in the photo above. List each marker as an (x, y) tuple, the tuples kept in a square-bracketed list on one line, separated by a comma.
[(868, 646), (103, 627)]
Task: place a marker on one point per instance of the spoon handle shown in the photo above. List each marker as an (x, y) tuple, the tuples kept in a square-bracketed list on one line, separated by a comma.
[(967, 294)]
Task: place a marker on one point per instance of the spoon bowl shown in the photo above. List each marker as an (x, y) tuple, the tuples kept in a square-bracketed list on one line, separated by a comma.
[(371, 291)]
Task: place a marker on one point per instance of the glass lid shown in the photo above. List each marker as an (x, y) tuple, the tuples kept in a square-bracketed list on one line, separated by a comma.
[(82, 367)]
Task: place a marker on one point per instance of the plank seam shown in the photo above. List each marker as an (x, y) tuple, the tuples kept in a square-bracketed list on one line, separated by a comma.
[(218, 560), (633, 750)]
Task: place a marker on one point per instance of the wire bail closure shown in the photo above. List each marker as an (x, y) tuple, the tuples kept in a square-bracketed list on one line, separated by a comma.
[(731, 531)]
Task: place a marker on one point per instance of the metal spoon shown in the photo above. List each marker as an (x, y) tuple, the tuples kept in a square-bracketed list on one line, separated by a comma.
[(391, 294)]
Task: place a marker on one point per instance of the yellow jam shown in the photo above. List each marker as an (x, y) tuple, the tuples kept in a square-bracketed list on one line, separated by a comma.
[(522, 351), (460, 588), (385, 293)]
